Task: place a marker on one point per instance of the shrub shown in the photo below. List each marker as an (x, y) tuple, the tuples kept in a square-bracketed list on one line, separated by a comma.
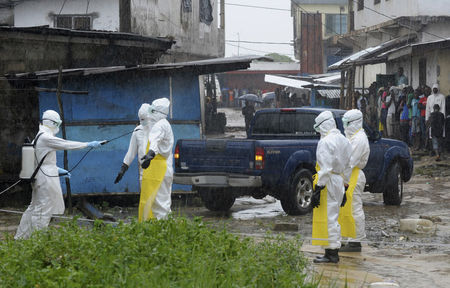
[(171, 253)]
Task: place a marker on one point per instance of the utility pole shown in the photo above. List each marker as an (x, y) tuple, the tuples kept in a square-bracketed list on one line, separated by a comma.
[(239, 42), (222, 14)]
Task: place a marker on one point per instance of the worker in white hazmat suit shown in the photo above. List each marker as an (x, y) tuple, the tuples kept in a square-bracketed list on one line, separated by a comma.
[(47, 198), (435, 98), (138, 142), (333, 155), (155, 200), (353, 127)]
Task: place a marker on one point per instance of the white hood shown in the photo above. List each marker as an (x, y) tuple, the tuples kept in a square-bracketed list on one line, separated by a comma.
[(354, 118), (159, 109), (144, 114), (325, 123), (51, 120)]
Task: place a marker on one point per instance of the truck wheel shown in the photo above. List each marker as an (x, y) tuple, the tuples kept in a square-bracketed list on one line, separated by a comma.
[(217, 199), (297, 200), (393, 193)]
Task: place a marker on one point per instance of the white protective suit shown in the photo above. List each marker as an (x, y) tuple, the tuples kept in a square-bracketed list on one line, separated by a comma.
[(138, 141), (47, 197), (161, 142), (333, 155), (435, 98), (360, 154)]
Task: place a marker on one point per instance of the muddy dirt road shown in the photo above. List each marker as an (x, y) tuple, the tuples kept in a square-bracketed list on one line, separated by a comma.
[(405, 258), (409, 259)]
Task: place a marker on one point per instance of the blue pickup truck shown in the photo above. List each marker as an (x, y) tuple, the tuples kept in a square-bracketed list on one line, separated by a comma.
[(278, 158)]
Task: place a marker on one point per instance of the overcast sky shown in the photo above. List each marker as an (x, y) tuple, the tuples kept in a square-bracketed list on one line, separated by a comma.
[(258, 25)]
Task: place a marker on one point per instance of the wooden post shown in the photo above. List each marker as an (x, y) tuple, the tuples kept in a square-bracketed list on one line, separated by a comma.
[(364, 79), (63, 129), (341, 99), (349, 89), (353, 88)]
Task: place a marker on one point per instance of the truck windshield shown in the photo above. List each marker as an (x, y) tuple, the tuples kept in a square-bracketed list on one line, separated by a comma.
[(300, 124)]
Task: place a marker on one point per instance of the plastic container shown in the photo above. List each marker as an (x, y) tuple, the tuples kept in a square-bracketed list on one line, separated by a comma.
[(28, 161), (416, 225)]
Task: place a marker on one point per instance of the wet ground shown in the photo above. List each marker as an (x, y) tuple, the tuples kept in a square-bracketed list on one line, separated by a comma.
[(389, 255)]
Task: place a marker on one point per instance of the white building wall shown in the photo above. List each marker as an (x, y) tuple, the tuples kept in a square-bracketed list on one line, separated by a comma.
[(105, 13), (370, 74), (194, 39), (436, 31), (397, 8), (411, 68)]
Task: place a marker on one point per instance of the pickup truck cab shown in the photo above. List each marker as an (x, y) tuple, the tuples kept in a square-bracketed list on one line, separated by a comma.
[(278, 159)]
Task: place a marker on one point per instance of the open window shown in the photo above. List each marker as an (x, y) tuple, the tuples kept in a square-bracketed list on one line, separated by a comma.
[(206, 12)]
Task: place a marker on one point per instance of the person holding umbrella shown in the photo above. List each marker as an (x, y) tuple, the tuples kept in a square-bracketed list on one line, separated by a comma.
[(248, 111)]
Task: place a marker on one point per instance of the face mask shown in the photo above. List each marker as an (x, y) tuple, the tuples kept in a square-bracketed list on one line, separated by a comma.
[(53, 125), (145, 122), (346, 122)]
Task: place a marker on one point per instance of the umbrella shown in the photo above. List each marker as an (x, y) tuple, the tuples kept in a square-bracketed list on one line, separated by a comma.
[(268, 96), (250, 97)]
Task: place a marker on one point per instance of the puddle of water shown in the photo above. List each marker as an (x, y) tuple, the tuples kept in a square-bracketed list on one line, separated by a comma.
[(259, 208)]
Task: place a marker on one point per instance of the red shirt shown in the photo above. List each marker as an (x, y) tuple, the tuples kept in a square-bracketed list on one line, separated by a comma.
[(423, 101), (383, 98)]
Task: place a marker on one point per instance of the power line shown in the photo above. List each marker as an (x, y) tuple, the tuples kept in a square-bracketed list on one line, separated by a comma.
[(259, 42), (259, 7), (254, 50), (62, 7)]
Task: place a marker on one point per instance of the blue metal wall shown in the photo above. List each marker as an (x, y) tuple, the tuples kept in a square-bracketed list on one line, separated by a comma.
[(117, 97)]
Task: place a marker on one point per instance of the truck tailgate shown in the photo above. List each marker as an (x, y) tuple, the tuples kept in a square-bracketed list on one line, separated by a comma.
[(216, 155)]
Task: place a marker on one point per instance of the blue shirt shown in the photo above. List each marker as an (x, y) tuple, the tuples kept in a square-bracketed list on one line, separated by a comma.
[(415, 108)]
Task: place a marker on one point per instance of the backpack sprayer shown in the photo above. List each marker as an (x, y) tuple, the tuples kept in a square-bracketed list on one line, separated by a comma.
[(31, 166)]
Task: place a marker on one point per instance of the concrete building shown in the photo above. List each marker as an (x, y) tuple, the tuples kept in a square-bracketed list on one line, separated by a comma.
[(373, 12), (315, 21), (411, 34), (194, 25)]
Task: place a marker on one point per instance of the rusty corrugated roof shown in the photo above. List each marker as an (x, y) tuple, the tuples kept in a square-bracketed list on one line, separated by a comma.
[(200, 67)]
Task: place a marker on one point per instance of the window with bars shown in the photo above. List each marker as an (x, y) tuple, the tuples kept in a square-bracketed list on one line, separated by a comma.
[(375, 2), (76, 22), (335, 24)]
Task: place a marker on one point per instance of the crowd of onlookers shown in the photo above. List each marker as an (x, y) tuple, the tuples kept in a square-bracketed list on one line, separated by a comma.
[(415, 116)]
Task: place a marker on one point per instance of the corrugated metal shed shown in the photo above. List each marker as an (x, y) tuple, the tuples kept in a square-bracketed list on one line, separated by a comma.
[(110, 110), (372, 55)]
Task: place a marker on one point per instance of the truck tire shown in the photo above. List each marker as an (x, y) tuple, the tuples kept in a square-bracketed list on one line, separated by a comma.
[(217, 199), (297, 200), (393, 192)]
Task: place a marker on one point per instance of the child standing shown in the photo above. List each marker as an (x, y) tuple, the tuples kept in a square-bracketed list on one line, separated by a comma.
[(437, 130)]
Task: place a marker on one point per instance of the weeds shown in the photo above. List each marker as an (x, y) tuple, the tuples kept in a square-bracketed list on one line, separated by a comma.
[(173, 253)]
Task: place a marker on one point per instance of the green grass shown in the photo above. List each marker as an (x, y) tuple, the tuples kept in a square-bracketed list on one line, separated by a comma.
[(173, 253)]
